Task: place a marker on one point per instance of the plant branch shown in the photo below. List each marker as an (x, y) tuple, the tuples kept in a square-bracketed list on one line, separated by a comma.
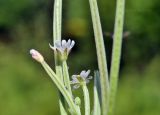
[(61, 88), (66, 77)]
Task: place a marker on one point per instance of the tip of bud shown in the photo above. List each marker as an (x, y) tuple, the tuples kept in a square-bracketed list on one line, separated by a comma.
[(36, 55), (32, 51)]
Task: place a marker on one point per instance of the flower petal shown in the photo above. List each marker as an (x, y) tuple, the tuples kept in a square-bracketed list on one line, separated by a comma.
[(72, 44), (83, 73), (87, 80), (76, 86), (88, 72), (64, 44), (68, 43)]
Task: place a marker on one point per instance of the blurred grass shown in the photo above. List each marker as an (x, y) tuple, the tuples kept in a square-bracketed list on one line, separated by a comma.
[(24, 88), (138, 92)]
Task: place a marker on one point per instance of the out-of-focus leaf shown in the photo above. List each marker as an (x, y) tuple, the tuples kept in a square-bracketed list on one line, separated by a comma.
[(97, 94)]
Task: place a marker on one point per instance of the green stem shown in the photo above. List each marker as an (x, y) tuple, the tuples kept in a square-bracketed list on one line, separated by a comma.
[(102, 63), (61, 98), (86, 99), (62, 109), (57, 20), (61, 88), (117, 44), (66, 76)]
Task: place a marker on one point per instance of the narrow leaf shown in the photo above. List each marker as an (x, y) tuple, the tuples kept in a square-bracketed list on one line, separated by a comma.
[(97, 94), (102, 63), (116, 54)]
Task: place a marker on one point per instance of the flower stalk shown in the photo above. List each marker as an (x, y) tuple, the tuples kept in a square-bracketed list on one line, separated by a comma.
[(82, 80), (61, 87), (57, 80), (86, 99), (66, 77)]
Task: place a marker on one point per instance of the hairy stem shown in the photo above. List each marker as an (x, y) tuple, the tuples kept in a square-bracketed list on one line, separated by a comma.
[(57, 20), (61, 100), (61, 88), (66, 76), (102, 63), (86, 99), (116, 54)]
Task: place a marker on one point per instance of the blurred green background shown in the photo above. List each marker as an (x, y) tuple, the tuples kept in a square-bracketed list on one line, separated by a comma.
[(25, 89)]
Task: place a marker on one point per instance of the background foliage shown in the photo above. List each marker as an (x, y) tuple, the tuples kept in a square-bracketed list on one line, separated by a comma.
[(25, 24)]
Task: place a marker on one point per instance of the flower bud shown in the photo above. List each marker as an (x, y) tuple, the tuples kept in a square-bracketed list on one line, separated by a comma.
[(78, 101), (36, 55)]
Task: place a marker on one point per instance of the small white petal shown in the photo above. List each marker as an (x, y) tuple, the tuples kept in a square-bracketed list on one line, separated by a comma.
[(76, 86), (68, 43), (87, 73), (74, 81), (72, 44), (64, 44), (87, 81), (83, 74), (74, 76)]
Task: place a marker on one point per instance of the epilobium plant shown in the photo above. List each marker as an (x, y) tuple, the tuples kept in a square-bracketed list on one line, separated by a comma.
[(104, 89)]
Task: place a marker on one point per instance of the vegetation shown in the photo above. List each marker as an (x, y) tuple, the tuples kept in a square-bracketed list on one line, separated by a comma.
[(24, 89)]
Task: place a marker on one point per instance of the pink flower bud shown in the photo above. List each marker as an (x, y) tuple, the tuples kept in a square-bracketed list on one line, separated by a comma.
[(36, 55)]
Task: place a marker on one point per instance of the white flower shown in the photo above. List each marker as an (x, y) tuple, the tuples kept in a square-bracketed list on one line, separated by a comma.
[(36, 55), (63, 47), (79, 80)]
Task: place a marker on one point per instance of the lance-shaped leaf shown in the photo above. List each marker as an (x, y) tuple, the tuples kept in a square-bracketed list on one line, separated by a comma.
[(116, 54), (97, 94), (101, 55)]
